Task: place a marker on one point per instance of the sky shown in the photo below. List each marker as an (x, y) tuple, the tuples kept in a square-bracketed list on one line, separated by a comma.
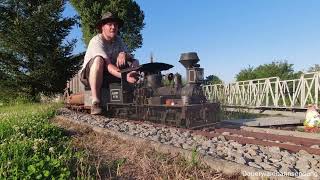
[(228, 35)]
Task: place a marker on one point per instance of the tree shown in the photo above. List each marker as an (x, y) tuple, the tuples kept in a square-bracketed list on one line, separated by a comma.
[(213, 79), (280, 69), (314, 68), (90, 12), (34, 55), (246, 74)]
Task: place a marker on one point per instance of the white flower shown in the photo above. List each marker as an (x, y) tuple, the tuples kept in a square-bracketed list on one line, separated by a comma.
[(51, 150)]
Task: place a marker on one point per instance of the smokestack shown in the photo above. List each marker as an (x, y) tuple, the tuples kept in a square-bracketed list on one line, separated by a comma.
[(194, 72), (189, 60)]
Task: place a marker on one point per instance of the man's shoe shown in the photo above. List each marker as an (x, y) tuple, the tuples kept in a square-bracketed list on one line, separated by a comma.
[(95, 108)]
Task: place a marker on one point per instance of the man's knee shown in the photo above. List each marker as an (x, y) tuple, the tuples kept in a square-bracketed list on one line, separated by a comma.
[(98, 62)]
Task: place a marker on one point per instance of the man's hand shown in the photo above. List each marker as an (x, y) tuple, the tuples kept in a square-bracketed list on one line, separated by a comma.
[(121, 59), (132, 77)]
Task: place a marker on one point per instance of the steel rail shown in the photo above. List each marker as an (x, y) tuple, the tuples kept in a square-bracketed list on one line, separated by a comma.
[(272, 137), (249, 140)]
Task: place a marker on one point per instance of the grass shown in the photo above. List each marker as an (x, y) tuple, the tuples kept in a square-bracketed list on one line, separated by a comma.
[(238, 114), (194, 158), (32, 148)]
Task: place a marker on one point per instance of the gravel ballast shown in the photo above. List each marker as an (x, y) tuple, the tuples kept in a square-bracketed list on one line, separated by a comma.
[(269, 159)]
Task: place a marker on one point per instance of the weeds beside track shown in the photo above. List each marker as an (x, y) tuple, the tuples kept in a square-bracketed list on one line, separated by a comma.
[(32, 148)]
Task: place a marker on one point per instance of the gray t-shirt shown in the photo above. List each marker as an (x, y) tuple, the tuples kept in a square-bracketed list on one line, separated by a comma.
[(98, 46)]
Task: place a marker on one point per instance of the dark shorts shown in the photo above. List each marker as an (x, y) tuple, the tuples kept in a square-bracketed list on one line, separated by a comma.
[(107, 77)]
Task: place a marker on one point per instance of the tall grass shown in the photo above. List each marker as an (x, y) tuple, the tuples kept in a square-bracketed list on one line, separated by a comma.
[(238, 114), (32, 148)]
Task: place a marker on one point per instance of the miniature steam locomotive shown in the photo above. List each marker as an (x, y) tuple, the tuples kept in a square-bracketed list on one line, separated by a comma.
[(172, 104)]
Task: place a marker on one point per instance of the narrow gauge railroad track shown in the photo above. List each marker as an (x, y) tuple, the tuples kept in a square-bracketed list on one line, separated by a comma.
[(290, 143), (293, 144), (294, 128)]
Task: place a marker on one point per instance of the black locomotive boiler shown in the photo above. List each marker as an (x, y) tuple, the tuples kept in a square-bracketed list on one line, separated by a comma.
[(170, 103)]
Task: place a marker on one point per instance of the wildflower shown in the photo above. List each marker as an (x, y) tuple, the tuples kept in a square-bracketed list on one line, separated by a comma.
[(21, 135), (39, 141), (51, 150)]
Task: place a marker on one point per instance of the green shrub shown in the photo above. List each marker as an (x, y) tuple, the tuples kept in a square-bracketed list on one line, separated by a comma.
[(12, 97)]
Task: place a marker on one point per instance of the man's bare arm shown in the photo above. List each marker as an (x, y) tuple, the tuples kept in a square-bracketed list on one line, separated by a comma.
[(115, 71)]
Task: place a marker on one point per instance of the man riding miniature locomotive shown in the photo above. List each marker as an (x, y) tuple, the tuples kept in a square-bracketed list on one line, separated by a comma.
[(106, 55), (111, 75)]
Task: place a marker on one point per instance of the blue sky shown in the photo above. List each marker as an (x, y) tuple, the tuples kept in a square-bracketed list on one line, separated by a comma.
[(228, 35)]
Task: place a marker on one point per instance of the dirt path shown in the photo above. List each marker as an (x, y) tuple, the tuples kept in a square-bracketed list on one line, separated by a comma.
[(117, 159)]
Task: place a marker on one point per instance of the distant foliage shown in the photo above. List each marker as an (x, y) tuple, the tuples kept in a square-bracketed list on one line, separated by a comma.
[(246, 74), (90, 11), (34, 56), (314, 68), (281, 69), (213, 79)]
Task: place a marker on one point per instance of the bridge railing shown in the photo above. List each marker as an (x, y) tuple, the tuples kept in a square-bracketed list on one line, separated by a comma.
[(268, 92)]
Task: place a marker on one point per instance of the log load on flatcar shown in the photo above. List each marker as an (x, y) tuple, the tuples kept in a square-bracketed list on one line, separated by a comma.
[(149, 99)]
